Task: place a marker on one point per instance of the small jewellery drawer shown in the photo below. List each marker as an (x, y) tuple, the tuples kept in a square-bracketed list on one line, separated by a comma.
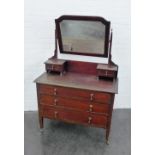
[(79, 105), (54, 67), (89, 95), (106, 73), (73, 116)]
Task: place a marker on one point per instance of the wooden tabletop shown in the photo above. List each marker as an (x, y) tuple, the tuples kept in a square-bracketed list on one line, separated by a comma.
[(80, 81)]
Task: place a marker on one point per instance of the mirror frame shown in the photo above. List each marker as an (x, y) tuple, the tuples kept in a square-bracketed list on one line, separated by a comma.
[(83, 18)]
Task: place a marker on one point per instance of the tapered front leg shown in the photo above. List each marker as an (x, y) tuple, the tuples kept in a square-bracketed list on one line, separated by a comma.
[(108, 126), (107, 136), (108, 129), (41, 122)]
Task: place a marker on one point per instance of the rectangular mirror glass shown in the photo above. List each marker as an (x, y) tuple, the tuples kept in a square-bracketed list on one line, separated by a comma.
[(83, 36)]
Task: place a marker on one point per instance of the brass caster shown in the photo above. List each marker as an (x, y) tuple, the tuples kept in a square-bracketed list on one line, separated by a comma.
[(41, 130), (107, 142)]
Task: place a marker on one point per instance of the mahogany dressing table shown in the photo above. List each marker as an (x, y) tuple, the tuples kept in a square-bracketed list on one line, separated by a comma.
[(75, 91)]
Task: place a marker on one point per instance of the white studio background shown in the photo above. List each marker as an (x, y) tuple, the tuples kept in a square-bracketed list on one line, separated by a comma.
[(39, 40)]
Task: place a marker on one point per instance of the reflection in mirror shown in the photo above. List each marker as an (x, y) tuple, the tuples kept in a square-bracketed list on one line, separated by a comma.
[(83, 36)]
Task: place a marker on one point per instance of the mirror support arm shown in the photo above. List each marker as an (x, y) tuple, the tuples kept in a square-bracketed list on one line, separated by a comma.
[(110, 42), (55, 51), (110, 62)]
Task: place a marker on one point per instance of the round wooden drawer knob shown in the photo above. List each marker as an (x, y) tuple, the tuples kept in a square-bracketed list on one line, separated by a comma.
[(55, 91), (89, 120), (106, 73), (55, 114), (52, 67), (92, 97), (90, 108), (55, 101)]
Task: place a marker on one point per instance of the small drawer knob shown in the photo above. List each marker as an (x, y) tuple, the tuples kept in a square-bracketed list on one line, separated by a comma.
[(52, 67), (90, 108), (55, 114), (55, 101), (89, 120), (106, 73), (91, 97), (55, 91)]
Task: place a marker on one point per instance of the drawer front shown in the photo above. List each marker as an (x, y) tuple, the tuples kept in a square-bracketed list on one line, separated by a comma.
[(106, 73), (80, 105), (73, 116), (75, 93), (54, 67)]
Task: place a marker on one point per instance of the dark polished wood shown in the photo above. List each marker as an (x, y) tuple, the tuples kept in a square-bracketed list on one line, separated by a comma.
[(88, 95), (75, 104), (79, 95), (107, 70), (79, 81), (84, 18), (55, 65), (82, 67), (71, 116), (76, 98)]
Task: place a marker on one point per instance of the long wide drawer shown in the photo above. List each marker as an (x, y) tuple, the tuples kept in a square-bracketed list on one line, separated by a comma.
[(75, 93), (81, 105), (73, 116)]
